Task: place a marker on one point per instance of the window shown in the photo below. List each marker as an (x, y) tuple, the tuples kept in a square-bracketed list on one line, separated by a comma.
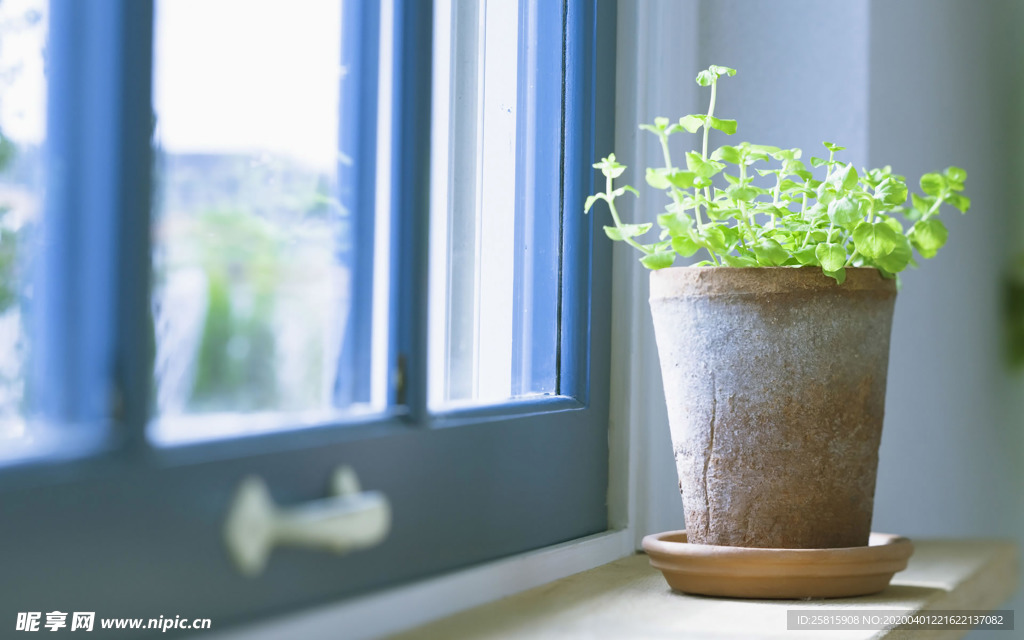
[(288, 237), (23, 28)]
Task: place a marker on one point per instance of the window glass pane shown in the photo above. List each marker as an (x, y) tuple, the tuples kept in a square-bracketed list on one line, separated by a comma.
[(23, 28), (252, 290), (481, 266)]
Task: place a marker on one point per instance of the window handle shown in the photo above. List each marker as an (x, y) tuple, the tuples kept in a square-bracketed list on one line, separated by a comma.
[(347, 521)]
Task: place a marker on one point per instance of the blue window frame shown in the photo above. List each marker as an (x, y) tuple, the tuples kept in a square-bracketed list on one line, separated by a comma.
[(465, 486)]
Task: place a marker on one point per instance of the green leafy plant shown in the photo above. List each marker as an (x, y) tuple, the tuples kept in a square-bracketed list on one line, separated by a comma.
[(783, 215)]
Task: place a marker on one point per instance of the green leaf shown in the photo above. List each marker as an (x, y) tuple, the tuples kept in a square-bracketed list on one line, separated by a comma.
[(627, 231), (623, 189), (685, 245), (675, 224), (610, 167), (681, 179), (928, 236), (922, 204), (731, 235), (739, 261), (741, 193), (700, 166), (725, 126), (932, 184), (712, 73), (957, 176), (894, 223), (658, 259), (794, 167), (831, 256), (845, 212), (898, 259), (817, 162), (962, 203), (819, 235), (788, 154), (892, 191), (726, 153), (874, 240), (692, 123), (718, 212), (769, 252), (807, 256), (874, 176), (839, 275), (661, 123), (789, 185), (826, 193), (846, 177), (765, 149), (658, 178), (714, 238), (590, 202), (833, 147)]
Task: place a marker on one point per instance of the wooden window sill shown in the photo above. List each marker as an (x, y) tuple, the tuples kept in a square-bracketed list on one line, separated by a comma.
[(629, 599)]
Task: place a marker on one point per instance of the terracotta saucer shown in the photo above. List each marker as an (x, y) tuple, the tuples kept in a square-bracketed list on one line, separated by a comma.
[(746, 572)]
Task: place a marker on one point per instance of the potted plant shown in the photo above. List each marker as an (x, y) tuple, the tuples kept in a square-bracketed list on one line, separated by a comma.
[(774, 349)]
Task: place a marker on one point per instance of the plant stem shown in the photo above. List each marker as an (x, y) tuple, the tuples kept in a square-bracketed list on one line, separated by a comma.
[(707, 130), (751, 222), (676, 198), (828, 167), (775, 196), (618, 223), (935, 207), (664, 150), (711, 112), (807, 238)]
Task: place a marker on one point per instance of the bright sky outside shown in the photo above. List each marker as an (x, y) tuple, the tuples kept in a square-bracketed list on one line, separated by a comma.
[(232, 76), (249, 75), (23, 93)]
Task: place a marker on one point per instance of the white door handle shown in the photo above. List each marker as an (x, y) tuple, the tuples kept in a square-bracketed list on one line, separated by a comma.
[(347, 521)]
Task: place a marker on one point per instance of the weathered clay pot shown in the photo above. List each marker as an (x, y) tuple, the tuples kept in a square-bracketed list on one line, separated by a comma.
[(775, 384)]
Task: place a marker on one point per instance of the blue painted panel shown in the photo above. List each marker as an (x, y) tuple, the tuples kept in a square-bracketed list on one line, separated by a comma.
[(357, 132), (410, 202), (90, 297), (578, 257), (500, 481), (538, 269)]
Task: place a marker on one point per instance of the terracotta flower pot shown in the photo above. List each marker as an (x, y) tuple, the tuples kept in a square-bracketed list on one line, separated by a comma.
[(775, 384)]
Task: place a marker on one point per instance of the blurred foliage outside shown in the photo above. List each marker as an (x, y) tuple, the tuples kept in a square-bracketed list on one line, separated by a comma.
[(20, 200), (249, 297)]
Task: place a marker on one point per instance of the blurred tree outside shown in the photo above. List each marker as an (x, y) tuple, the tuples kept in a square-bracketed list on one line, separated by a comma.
[(20, 200), (246, 285)]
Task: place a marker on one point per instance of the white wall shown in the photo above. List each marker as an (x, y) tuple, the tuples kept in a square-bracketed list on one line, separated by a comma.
[(919, 84), (948, 455)]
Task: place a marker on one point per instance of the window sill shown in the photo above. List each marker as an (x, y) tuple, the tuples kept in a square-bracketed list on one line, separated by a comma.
[(627, 598)]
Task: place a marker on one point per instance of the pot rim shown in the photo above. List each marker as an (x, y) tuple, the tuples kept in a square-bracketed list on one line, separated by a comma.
[(675, 282), (673, 543)]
